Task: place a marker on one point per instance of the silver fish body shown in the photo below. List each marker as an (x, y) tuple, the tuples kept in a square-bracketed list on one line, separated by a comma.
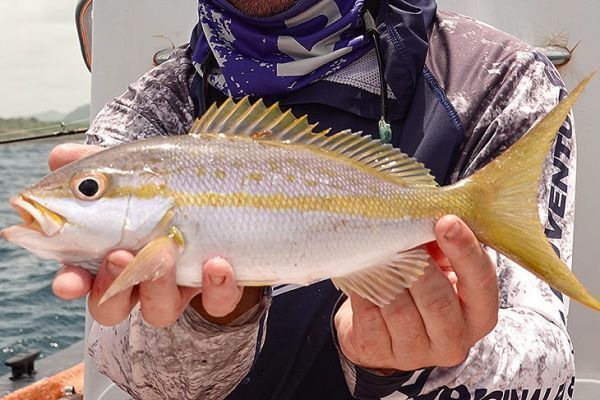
[(278, 214)]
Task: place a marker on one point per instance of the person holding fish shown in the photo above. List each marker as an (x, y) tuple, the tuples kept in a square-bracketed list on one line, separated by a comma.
[(199, 297)]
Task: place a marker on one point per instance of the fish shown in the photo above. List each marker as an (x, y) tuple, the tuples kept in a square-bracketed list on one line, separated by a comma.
[(286, 203)]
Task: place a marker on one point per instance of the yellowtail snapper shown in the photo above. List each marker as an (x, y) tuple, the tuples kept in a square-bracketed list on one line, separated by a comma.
[(286, 204)]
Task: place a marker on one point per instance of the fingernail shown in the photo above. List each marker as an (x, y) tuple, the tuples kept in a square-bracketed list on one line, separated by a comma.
[(114, 269), (453, 231), (216, 280)]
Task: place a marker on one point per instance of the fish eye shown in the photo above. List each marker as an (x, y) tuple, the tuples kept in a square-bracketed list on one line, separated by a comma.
[(89, 186)]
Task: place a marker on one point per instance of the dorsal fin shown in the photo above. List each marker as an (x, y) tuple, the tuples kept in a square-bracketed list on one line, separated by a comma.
[(260, 122)]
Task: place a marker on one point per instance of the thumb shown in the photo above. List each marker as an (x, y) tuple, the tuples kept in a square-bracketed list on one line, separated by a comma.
[(66, 153), (220, 294)]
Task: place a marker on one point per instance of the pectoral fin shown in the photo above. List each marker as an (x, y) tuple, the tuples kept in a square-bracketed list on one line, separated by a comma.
[(150, 263), (380, 285)]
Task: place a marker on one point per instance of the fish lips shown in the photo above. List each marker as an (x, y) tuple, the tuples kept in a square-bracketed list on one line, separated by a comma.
[(38, 220)]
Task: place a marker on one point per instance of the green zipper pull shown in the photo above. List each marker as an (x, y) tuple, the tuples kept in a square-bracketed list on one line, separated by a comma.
[(385, 131)]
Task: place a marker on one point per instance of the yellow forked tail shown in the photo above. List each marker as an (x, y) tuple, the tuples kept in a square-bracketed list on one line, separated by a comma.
[(505, 212)]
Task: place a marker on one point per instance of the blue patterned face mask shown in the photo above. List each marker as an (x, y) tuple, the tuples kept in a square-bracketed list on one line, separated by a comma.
[(265, 56)]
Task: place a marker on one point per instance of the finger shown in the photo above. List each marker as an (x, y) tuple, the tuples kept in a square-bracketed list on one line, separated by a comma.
[(66, 153), (220, 294), (369, 336), (477, 284), (118, 307), (72, 282), (410, 342), (439, 307), (162, 301), (436, 253), (442, 262), (368, 323)]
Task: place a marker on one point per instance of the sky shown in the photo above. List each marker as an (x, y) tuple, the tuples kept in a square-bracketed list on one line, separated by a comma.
[(41, 67)]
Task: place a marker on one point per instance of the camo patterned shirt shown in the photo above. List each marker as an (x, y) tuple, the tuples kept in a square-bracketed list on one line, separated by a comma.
[(499, 86)]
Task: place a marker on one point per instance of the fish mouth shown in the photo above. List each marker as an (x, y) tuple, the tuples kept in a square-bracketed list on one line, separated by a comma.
[(36, 217)]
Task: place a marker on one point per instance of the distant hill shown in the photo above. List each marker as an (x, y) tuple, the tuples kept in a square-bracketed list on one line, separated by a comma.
[(49, 116), (49, 121), (81, 113), (22, 124)]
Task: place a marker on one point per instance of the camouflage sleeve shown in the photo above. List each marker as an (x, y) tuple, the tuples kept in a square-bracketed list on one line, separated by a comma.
[(193, 358), (529, 354), (157, 104)]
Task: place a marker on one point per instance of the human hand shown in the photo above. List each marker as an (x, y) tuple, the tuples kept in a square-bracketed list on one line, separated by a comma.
[(161, 300), (435, 322)]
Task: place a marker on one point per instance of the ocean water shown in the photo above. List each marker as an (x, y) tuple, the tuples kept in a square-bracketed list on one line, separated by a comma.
[(31, 317)]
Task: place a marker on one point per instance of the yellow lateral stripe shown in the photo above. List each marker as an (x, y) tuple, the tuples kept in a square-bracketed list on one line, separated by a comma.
[(367, 206), (422, 203)]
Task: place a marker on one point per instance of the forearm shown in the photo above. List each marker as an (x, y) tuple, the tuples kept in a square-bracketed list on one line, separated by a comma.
[(191, 359)]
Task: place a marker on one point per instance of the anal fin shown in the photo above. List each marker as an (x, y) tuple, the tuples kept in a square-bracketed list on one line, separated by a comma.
[(380, 285), (150, 263)]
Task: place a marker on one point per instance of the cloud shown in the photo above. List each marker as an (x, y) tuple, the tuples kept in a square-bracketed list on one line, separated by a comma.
[(41, 67)]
